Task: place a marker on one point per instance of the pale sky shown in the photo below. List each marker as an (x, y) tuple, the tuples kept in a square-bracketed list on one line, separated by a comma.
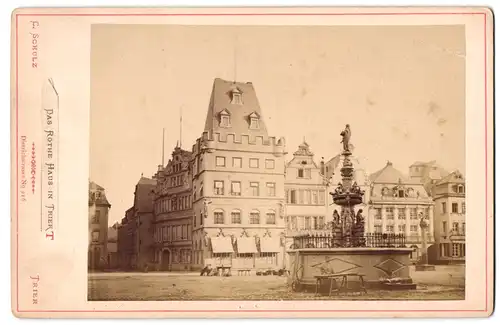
[(401, 88)]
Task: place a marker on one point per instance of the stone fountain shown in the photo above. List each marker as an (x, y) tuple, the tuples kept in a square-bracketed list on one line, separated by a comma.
[(383, 259)]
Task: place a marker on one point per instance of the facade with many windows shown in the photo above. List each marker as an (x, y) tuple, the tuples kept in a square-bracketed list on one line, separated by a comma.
[(305, 193), (238, 184), (396, 205), (449, 220), (174, 213)]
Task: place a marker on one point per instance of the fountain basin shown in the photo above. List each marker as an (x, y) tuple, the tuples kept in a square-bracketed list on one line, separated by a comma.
[(376, 264)]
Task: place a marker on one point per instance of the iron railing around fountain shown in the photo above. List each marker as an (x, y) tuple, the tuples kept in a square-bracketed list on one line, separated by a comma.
[(327, 240)]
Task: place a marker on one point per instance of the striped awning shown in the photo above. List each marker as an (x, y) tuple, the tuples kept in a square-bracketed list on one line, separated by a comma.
[(246, 245), (221, 245), (270, 245)]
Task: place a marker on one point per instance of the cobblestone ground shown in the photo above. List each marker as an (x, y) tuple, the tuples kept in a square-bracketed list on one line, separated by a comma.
[(446, 283)]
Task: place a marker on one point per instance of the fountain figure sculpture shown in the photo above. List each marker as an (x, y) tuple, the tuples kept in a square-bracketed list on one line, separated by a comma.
[(348, 195)]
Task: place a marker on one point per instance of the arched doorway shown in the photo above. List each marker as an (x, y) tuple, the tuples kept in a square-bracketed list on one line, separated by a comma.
[(165, 260)]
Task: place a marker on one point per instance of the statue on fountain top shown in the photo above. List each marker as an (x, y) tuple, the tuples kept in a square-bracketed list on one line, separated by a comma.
[(346, 137)]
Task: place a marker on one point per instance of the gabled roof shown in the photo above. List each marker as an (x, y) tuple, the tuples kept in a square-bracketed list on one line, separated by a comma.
[(220, 100), (388, 175), (453, 177), (97, 198)]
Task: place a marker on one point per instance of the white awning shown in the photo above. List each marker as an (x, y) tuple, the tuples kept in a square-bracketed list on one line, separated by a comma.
[(270, 245), (221, 245), (246, 245)]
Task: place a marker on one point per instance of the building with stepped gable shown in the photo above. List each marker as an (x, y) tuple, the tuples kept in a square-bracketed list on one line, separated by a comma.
[(173, 249), (238, 184)]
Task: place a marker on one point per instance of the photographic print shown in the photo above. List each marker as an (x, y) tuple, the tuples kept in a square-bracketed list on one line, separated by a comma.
[(272, 160)]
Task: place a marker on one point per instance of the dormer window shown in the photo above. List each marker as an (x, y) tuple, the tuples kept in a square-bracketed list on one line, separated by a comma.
[(224, 119), (236, 96), (254, 120)]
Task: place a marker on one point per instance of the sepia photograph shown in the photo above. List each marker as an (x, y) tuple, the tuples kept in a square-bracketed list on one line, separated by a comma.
[(277, 162)]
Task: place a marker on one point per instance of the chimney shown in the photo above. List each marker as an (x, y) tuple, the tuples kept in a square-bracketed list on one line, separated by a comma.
[(322, 166)]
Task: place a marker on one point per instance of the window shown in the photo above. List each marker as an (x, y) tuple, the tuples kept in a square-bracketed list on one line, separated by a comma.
[(300, 173), (236, 216), (237, 162), (254, 123), (236, 188), (402, 228), (96, 217), (218, 217), (254, 188), (463, 207), (254, 217), (455, 227), (463, 228), (455, 250), (390, 228), (271, 189), (445, 227), (401, 213), (225, 120), (220, 161), (378, 213), (307, 197), (413, 213), (254, 163), (218, 187), (307, 223), (454, 208), (378, 229), (389, 212), (401, 193), (194, 193), (194, 221), (293, 196), (201, 189), (321, 197), (95, 236), (461, 189), (271, 218), (314, 198), (269, 163), (443, 207), (414, 228), (307, 173), (236, 96)]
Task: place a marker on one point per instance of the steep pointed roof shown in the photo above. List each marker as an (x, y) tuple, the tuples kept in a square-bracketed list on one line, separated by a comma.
[(221, 100), (388, 175), (95, 186)]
